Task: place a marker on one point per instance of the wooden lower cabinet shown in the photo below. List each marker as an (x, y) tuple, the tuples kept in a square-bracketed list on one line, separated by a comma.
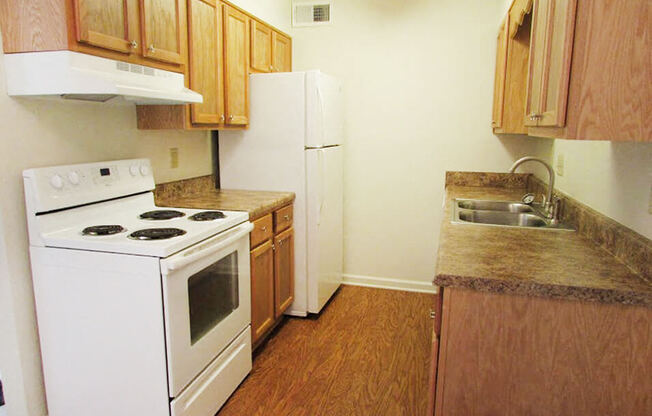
[(262, 289), (272, 273), (283, 271), (518, 355)]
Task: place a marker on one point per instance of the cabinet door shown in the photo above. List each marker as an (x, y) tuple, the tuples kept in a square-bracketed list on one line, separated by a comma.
[(281, 53), (501, 74), (283, 271), (103, 23), (236, 66), (161, 30), (550, 60), (205, 60), (261, 47), (262, 290)]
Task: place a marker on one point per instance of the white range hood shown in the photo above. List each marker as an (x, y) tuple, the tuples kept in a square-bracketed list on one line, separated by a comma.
[(74, 75)]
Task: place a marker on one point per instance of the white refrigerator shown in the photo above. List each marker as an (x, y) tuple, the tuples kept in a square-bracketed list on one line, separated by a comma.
[(294, 143)]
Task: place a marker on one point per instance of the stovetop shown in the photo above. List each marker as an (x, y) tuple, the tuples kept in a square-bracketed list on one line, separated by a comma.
[(134, 225)]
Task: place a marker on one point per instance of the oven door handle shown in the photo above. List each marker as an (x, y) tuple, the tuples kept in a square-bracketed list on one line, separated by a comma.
[(210, 246)]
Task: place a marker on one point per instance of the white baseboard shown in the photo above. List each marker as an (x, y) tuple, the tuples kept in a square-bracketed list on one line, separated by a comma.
[(387, 283)]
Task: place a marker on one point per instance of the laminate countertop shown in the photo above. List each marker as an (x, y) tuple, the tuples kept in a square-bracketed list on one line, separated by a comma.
[(531, 262), (256, 203)]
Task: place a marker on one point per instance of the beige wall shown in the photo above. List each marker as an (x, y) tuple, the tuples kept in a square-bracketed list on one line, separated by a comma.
[(275, 12), (613, 178), (418, 81)]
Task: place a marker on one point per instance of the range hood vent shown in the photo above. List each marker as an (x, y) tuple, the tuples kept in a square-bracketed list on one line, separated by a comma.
[(73, 75)]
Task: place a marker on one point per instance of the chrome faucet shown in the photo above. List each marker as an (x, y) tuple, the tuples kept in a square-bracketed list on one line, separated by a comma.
[(548, 204)]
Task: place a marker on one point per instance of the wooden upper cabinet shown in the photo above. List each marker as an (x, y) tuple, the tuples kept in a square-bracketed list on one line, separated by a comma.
[(281, 53), (205, 60), (236, 66), (550, 62), (261, 47), (104, 24), (501, 74), (512, 55), (283, 271), (161, 30)]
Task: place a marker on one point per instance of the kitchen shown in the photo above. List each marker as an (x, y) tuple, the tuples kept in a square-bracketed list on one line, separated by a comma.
[(418, 82)]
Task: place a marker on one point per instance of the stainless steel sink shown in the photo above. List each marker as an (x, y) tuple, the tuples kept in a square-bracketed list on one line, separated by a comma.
[(503, 218), (494, 206), (502, 214)]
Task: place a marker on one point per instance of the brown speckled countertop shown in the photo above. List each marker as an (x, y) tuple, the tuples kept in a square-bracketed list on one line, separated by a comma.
[(531, 262), (200, 193)]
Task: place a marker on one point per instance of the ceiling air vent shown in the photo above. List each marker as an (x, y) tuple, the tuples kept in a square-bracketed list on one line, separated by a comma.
[(311, 13)]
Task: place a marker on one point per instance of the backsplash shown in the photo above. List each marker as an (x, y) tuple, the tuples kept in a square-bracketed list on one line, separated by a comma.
[(628, 246), (177, 189), (491, 179)]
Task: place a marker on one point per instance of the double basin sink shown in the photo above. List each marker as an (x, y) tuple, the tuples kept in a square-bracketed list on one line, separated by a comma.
[(502, 213)]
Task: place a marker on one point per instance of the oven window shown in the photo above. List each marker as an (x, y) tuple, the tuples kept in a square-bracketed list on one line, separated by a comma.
[(212, 295)]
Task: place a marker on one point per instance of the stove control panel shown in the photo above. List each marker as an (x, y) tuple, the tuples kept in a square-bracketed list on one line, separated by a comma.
[(60, 187)]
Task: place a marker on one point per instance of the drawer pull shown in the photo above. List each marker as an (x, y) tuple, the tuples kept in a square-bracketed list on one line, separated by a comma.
[(286, 217), (263, 228), (433, 314)]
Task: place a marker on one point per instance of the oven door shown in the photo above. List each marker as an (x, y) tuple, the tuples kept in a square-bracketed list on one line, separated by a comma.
[(206, 294)]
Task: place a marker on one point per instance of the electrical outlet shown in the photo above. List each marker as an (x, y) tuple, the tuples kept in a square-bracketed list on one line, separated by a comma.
[(174, 157), (560, 164)]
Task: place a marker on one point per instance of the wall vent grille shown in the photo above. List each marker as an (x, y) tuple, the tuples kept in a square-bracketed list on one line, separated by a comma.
[(311, 13)]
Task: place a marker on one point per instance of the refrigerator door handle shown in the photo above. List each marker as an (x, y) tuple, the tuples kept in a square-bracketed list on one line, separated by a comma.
[(320, 98), (322, 181)]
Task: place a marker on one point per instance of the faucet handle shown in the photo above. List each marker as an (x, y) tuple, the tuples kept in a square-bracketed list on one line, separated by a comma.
[(528, 198), (555, 209)]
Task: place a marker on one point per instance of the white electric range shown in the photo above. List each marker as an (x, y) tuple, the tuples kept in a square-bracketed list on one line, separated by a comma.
[(141, 310)]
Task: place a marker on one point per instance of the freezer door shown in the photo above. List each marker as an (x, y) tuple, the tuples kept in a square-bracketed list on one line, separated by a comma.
[(325, 228), (325, 113)]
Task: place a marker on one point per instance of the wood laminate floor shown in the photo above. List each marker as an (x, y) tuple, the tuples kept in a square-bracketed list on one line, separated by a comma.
[(367, 354)]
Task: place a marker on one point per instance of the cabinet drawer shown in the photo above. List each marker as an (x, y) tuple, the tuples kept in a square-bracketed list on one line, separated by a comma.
[(262, 230), (282, 219)]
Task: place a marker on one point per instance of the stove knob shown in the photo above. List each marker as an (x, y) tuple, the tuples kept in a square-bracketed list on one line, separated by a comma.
[(144, 170), (56, 181), (73, 177), (133, 169)]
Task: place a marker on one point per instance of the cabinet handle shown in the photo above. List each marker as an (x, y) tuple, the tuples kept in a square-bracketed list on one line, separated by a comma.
[(286, 217), (280, 243), (271, 68), (273, 246), (433, 314), (230, 118), (263, 228), (222, 118), (151, 49), (133, 44)]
